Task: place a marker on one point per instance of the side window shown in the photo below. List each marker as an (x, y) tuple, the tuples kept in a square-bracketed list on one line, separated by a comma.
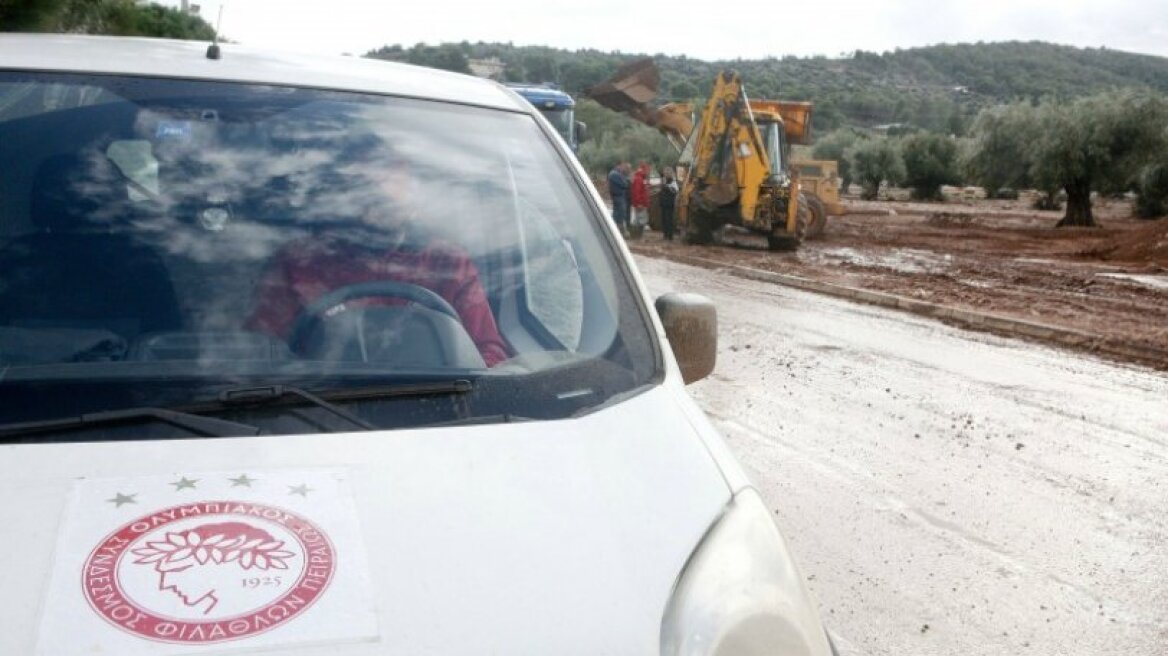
[(563, 291), (554, 291)]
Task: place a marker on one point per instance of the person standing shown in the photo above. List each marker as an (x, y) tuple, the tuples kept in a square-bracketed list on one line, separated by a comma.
[(668, 202), (627, 171), (618, 191), (640, 199)]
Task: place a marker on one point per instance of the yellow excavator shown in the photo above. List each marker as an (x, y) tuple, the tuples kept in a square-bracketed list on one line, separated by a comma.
[(736, 158)]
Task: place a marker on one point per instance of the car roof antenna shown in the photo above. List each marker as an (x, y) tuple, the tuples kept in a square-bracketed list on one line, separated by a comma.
[(213, 49)]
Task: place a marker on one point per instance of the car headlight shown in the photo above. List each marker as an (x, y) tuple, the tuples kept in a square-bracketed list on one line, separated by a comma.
[(740, 593)]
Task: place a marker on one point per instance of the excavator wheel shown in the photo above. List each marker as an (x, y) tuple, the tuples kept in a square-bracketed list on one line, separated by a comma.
[(698, 231), (818, 216), (781, 240)]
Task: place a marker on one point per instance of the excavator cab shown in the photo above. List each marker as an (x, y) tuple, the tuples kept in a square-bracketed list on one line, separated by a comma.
[(774, 137)]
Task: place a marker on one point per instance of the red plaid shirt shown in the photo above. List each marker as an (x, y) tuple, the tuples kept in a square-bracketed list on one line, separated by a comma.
[(310, 268)]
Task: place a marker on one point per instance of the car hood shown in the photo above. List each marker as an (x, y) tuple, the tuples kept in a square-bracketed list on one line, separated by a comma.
[(525, 538)]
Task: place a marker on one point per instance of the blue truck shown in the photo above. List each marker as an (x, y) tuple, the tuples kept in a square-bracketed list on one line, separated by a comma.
[(557, 107)]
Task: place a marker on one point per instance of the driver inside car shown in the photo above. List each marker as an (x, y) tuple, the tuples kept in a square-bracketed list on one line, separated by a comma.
[(387, 244)]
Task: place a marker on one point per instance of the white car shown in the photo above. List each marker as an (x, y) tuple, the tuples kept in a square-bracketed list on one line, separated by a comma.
[(334, 356)]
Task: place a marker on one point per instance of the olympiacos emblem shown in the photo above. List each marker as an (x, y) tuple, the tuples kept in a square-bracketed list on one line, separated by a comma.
[(209, 572)]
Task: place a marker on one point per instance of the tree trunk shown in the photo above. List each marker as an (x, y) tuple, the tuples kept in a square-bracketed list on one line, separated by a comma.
[(1078, 206), (1048, 200), (1148, 207)]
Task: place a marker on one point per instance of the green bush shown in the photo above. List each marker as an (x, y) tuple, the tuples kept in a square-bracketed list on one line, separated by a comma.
[(873, 162), (833, 146), (930, 160), (613, 137), (116, 17), (998, 156), (638, 142), (1152, 191), (1099, 143)]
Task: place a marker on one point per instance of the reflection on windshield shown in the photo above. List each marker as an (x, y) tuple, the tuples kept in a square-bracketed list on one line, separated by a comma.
[(270, 231)]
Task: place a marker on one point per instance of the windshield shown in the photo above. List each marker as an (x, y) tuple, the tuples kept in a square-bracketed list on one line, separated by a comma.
[(774, 139), (562, 119), (163, 241)]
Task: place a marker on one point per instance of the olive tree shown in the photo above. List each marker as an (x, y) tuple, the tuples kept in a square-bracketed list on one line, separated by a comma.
[(1095, 142), (1152, 190), (999, 153), (930, 160), (875, 161), (832, 146)]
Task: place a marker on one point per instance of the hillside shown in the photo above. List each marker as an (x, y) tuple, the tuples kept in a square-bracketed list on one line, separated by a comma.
[(936, 87)]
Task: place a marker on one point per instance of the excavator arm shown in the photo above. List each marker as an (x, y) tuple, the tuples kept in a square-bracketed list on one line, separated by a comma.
[(633, 88), (675, 121)]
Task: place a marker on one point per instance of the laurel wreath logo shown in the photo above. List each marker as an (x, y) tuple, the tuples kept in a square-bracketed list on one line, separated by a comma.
[(188, 548)]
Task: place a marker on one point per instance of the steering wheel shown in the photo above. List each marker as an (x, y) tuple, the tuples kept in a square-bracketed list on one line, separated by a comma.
[(376, 288)]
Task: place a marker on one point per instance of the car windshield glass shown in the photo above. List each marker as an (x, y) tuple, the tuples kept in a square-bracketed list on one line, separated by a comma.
[(164, 240)]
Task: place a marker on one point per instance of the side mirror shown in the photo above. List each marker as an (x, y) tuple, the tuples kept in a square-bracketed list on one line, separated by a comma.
[(581, 132), (691, 324)]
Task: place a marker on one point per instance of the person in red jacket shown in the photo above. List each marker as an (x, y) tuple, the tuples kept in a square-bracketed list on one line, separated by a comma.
[(640, 197), (389, 250)]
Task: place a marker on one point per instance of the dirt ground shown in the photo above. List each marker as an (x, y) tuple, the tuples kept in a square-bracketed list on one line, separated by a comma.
[(994, 256), (945, 493)]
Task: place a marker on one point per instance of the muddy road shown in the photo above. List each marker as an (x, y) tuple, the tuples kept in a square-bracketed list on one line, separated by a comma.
[(945, 492), (998, 257)]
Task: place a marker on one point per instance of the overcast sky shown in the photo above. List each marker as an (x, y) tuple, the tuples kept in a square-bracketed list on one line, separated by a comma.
[(716, 30)]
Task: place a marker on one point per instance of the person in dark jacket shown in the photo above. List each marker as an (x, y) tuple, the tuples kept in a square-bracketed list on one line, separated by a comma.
[(618, 190), (667, 198)]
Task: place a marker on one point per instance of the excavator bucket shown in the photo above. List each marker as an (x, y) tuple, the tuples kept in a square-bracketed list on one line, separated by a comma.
[(631, 91), (633, 87)]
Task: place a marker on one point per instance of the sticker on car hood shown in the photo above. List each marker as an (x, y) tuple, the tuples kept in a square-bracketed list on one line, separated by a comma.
[(188, 562)]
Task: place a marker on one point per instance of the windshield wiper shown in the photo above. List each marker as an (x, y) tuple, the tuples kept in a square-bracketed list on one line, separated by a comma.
[(399, 390), (198, 424), (268, 394), (186, 417), (253, 396)]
